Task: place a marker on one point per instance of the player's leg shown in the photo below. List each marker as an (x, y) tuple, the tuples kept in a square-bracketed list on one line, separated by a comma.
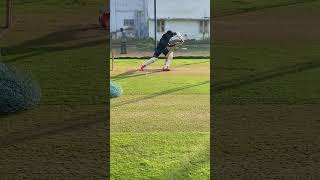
[(169, 59), (151, 60), (166, 53)]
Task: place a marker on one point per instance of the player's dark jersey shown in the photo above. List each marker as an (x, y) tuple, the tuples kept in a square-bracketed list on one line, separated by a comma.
[(162, 45), (164, 41)]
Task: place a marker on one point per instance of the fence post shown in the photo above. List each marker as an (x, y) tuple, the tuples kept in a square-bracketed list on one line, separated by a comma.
[(9, 13), (112, 59)]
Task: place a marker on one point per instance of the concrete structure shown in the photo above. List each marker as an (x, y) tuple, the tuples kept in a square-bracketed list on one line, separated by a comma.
[(130, 15), (190, 18)]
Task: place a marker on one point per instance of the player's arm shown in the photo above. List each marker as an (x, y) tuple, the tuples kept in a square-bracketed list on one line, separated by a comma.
[(180, 38), (171, 44)]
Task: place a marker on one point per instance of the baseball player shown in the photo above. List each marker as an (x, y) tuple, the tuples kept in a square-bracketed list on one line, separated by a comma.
[(169, 42)]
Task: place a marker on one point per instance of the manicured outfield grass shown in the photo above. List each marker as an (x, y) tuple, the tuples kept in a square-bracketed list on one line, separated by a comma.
[(160, 156), (2, 15), (160, 127), (267, 75), (228, 7), (66, 76), (65, 136), (76, 7), (269, 55), (266, 90)]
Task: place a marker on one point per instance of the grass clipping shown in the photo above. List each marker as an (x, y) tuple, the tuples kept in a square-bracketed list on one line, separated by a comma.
[(18, 92)]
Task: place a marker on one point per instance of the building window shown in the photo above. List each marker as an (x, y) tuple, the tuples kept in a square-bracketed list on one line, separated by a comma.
[(204, 26), (160, 26), (128, 22)]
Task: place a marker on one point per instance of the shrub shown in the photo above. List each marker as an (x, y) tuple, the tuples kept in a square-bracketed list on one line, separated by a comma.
[(18, 92), (115, 90)]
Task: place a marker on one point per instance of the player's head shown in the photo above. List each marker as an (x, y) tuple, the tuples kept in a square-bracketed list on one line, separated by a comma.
[(170, 33)]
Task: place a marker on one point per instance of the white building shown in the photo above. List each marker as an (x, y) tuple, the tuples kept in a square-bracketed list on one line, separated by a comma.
[(130, 15), (190, 18)]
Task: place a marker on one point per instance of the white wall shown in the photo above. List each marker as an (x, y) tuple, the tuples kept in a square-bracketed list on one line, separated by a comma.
[(185, 27), (124, 9), (192, 9), (172, 9)]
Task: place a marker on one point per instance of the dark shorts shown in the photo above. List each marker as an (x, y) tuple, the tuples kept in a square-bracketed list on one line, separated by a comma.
[(160, 51)]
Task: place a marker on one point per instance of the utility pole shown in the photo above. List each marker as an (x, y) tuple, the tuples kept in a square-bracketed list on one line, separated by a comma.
[(9, 5), (8, 22), (155, 23)]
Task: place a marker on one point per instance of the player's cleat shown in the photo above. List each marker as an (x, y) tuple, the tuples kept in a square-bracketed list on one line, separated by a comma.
[(142, 67), (165, 69)]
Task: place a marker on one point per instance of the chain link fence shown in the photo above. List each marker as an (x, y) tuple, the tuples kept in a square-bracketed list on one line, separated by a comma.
[(145, 47)]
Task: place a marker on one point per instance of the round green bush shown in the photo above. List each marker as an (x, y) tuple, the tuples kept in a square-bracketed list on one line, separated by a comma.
[(18, 92)]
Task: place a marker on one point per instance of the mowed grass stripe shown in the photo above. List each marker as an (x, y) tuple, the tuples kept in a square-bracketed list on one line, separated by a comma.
[(70, 76), (160, 156), (278, 75), (169, 113), (160, 126)]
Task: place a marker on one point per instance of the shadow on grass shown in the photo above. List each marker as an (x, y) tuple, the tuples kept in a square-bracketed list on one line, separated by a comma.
[(190, 64), (68, 34), (48, 43), (3, 31), (169, 91), (259, 8), (37, 132), (188, 166), (132, 73), (4, 115), (234, 68), (55, 49), (264, 76)]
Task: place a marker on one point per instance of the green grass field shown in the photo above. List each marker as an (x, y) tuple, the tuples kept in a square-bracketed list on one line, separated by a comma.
[(230, 7), (2, 15), (160, 126), (62, 45), (266, 90)]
